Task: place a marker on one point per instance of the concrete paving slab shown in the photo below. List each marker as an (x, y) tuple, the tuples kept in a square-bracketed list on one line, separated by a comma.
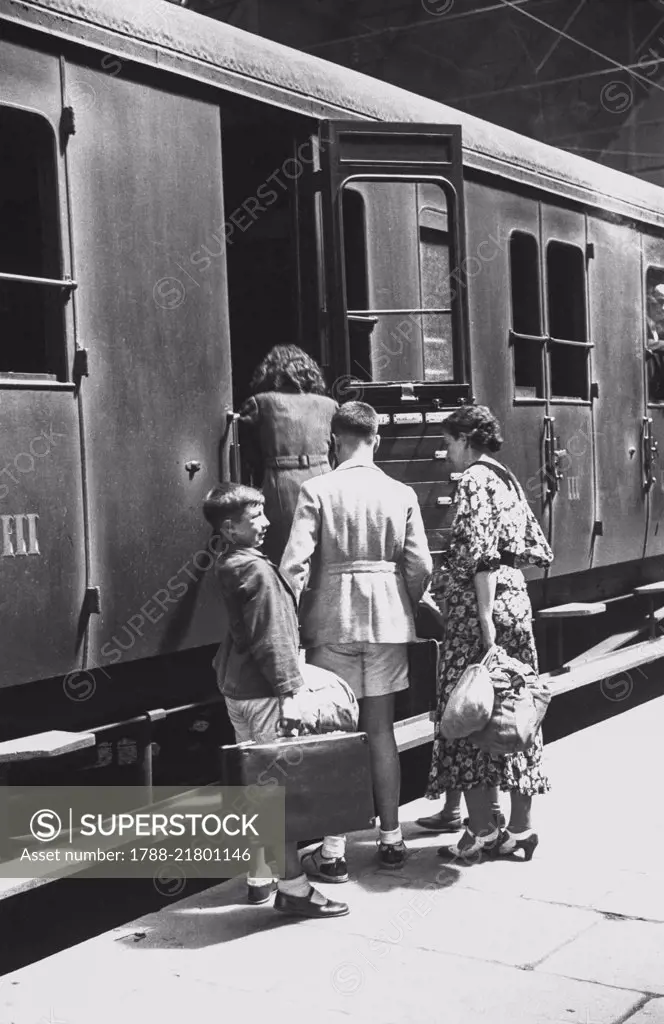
[(637, 895), (618, 952), (651, 1013), (318, 975)]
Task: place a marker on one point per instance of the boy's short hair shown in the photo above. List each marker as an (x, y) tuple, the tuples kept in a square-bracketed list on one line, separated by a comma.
[(229, 501), (357, 419)]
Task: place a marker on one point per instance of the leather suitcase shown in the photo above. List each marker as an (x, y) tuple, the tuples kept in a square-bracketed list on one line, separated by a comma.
[(423, 659), (327, 780)]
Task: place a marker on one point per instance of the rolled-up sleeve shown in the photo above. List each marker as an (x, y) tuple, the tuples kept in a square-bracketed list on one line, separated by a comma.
[(417, 564)]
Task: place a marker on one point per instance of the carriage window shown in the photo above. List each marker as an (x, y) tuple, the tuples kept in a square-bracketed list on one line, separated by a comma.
[(525, 284), (566, 303), (397, 258), (435, 289), (526, 316), (31, 314), (655, 333), (566, 291)]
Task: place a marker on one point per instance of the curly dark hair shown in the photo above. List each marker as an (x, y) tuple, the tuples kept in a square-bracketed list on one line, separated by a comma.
[(478, 423), (288, 368)]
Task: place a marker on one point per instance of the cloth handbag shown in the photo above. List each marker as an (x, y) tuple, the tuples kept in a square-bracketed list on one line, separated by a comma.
[(521, 701), (327, 703), (471, 702), (327, 780)]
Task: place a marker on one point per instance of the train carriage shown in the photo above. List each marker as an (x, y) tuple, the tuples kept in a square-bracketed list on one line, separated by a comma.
[(177, 196)]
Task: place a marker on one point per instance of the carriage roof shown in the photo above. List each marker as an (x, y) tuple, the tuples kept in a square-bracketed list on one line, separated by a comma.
[(169, 37)]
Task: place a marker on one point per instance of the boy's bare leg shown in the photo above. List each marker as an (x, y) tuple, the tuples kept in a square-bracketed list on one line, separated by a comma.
[(377, 720)]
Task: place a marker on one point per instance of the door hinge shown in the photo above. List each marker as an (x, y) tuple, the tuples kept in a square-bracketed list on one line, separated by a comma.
[(93, 600), (594, 389), (67, 122), (590, 251), (81, 366)]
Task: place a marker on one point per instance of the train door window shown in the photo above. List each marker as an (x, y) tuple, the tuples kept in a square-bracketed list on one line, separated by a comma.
[(527, 339), (397, 259), (435, 290), (31, 312), (566, 302), (655, 333)]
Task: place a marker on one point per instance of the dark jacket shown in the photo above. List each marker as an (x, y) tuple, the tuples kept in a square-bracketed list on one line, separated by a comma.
[(259, 657), (286, 440)]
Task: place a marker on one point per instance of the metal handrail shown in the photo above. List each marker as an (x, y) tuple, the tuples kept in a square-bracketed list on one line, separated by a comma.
[(52, 281)]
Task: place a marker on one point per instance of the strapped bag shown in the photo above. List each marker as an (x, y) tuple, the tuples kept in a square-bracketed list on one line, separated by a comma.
[(471, 702), (520, 704)]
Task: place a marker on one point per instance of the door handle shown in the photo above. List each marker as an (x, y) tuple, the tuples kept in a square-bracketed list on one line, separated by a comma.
[(649, 452)]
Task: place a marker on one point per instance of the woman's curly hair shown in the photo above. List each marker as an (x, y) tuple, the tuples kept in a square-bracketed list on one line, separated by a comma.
[(288, 368), (478, 423)]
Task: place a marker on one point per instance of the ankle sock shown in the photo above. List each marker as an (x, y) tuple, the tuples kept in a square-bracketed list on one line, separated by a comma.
[(294, 886), (391, 837), (256, 880), (301, 886), (333, 847)]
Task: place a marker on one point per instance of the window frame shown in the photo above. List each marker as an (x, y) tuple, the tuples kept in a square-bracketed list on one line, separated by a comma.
[(460, 360), (516, 337), (656, 403), (552, 340), (45, 379)]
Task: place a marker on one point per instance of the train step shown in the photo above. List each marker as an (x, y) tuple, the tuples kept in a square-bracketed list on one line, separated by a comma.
[(572, 610)]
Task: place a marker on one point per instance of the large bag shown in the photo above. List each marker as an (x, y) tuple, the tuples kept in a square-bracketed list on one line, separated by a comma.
[(327, 703), (470, 704), (521, 701), (327, 780)]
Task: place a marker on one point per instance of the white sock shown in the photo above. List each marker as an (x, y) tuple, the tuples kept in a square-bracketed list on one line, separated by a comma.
[(259, 880), (333, 847), (300, 886), (391, 838)]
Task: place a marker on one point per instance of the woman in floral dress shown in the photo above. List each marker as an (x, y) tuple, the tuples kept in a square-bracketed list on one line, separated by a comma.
[(494, 533)]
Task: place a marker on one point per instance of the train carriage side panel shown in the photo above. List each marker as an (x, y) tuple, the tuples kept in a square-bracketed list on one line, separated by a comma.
[(616, 324), (504, 301), (42, 538), (148, 226)]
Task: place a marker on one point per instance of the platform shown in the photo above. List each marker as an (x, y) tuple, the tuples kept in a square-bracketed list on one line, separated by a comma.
[(574, 937)]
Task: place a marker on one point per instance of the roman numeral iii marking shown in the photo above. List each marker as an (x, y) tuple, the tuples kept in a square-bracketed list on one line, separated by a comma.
[(19, 534)]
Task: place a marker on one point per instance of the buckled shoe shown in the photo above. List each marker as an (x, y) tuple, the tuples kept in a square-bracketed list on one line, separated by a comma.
[(303, 906)]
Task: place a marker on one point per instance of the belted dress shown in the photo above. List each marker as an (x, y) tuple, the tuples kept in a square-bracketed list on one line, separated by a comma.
[(285, 439), (494, 529)]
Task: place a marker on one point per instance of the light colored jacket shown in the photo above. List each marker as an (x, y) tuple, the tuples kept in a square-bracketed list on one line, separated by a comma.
[(358, 541)]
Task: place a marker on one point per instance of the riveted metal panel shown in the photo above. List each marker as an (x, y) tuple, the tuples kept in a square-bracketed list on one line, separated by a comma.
[(145, 169), (42, 530), (616, 323)]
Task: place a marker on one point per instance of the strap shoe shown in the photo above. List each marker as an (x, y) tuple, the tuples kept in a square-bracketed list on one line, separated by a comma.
[(303, 906)]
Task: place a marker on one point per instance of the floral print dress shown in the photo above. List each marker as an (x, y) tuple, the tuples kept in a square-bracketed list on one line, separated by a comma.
[(492, 517)]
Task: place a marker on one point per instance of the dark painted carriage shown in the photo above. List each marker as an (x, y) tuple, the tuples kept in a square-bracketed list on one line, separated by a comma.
[(177, 196)]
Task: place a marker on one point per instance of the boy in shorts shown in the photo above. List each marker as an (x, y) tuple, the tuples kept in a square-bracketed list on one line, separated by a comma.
[(358, 562), (258, 669)]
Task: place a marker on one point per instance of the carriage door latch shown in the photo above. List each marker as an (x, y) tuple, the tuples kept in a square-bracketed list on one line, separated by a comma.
[(552, 457), (649, 452)]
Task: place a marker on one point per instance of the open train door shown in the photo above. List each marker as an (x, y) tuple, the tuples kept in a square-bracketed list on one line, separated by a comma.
[(392, 320)]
